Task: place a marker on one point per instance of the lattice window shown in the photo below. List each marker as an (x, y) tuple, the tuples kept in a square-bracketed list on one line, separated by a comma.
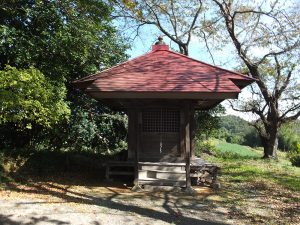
[(161, 120)]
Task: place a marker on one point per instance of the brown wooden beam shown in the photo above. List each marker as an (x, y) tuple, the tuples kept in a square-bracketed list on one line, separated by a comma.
[(187, 145), (192, 131), (182, 134), (131, 134), (97, 94)]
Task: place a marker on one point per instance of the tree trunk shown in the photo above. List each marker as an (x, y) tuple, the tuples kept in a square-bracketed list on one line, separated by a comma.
[(184, 49), (270, 143)]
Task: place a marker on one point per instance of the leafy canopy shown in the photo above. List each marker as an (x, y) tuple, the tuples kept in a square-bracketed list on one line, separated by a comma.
[(28, 97), (65, 40)]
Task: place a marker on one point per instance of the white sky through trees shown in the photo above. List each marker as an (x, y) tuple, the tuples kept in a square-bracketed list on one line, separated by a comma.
[(224, 56)]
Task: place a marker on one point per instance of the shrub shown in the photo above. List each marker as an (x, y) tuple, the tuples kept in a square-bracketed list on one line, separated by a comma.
[(205, 146), (295, 156)]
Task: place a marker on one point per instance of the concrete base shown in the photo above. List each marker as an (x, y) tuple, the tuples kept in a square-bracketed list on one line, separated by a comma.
[(161, 188), (136, 188)]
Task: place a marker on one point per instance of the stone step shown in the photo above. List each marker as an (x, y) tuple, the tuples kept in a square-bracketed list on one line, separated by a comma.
[(147, 187), (162, 182), (163, 168), (160, 174)]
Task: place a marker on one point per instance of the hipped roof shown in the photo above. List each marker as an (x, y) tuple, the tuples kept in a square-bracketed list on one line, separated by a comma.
[(163, 71)]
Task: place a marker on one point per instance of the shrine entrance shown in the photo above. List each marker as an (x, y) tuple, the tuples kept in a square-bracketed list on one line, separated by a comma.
[(160, 92), (160, 137)]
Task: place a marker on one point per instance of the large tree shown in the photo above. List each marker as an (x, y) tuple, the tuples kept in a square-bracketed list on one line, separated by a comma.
[(65, 40), (264, 36)]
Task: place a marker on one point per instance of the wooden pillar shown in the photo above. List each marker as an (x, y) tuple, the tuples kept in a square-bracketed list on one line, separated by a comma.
[(136, 133), (136, 160), (192, 130), (138, 139), (131, 133), (187, 141), (182, 133)]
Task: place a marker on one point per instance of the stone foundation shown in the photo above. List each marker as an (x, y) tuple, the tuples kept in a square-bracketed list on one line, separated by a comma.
[(205, 175)]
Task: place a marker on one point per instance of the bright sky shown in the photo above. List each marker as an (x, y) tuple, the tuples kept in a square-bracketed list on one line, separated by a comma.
[(225, 59)]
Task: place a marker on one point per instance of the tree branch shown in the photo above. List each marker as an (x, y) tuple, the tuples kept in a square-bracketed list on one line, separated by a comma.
[(225, 9), (285, 50), (193, 22), (283, 118)]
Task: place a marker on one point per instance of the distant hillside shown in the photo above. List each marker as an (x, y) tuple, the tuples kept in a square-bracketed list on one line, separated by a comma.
[(234, 129), (234, 124)]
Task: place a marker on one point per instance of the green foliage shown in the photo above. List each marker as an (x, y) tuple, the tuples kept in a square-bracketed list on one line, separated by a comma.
[(289, 135), (65, 40), (28, 98), (236, 130), (252, 138), (98, 132), (295, 156), (91, 129), (204, 146), (208, 122)]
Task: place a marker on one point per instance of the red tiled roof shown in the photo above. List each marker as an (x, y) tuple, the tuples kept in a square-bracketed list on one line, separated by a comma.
[(162, 70)]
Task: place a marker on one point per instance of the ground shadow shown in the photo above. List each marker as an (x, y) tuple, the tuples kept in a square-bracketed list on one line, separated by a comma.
[(173, 215), (7, 220)]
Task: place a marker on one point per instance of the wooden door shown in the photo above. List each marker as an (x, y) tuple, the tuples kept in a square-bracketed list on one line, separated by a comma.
[(160, 134)]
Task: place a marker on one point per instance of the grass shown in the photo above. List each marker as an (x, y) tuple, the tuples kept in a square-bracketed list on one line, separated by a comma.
[(258, 191), (244, 164), (278, 172), (228, 150)]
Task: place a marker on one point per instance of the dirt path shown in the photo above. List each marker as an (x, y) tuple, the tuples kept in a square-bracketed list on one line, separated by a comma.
[(46, 202), (51, 203)]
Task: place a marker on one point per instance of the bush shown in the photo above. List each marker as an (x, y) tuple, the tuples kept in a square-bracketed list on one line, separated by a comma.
[(295, 156), (205, 146)]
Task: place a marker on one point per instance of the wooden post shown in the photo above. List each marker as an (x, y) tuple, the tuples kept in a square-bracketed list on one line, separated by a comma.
[(137, 131), (136, 161), (182, 134), (192, 131), (187, 146), (107, 172), (131, 132)]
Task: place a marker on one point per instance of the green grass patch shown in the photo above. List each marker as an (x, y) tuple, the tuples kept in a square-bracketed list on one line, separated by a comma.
[(242, 164), (235, 151), (250, 170), (268, 172)]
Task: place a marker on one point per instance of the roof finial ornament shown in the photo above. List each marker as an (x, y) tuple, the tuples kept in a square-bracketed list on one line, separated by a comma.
[(160, 41)]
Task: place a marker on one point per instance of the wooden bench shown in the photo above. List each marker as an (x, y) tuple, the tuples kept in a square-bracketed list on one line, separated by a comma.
[(118, 168)]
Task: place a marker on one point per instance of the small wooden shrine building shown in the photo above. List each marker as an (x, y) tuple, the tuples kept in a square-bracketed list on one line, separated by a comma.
[(160, 92)]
